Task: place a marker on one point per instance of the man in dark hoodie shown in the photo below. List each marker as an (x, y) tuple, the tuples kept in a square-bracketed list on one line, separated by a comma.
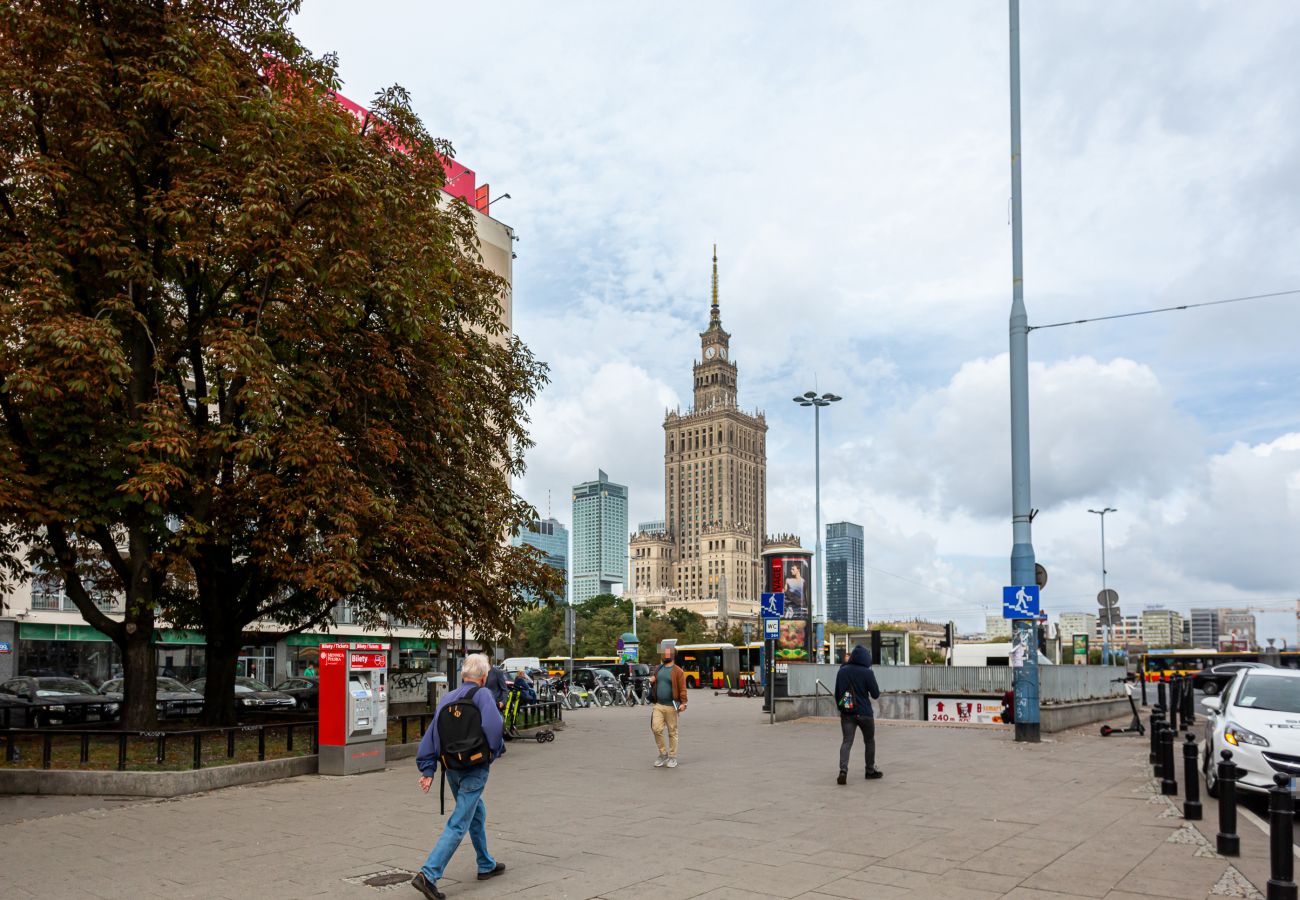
[(855, 688)]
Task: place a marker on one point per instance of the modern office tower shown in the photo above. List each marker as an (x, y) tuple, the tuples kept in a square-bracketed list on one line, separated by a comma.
[(599, 537), (845, 581), (552, 538)]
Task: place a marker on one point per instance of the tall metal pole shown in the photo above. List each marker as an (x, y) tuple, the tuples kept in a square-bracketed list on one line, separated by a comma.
[(1105, 639), (819, 607), (1022, 550)]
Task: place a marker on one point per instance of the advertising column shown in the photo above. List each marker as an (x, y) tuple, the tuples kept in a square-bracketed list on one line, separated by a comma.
[(790, 572)]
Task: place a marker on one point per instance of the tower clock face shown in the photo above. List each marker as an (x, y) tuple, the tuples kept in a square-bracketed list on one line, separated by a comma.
[(723, 352), (709, 353)]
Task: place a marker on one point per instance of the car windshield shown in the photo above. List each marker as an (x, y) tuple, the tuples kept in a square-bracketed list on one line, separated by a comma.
[(171, 684), (248, 685), (605, 674), (112, 687), (1269, 692), (57, 687)]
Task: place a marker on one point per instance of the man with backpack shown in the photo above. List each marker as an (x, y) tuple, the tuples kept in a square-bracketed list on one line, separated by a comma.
[(855, 688), (466, 735)]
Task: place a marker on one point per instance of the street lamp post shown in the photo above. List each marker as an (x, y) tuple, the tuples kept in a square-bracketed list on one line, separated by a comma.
[(1105, 628), (819, 603), (1022, 514)]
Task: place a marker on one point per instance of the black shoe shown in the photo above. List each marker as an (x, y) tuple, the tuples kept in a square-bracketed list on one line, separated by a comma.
[(422, 884), (484, 876), (875, 773), (843, 779)]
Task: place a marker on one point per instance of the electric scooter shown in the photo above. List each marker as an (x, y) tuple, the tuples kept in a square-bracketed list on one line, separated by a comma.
[(1136, 726)]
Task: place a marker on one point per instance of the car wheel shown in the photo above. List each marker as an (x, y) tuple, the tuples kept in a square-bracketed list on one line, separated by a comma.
[(1211, 780), (690, 683), (1211, 688)]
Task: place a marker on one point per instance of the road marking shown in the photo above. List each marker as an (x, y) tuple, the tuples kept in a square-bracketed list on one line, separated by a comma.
[(1261, 825)]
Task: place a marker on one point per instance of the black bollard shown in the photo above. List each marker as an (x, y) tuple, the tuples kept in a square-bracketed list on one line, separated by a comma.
[(1176, 703), (1191, 781), (1189, 703), (1281, 818), (1154, 730), (1162, 694), (1144, 682), (1226, 841), (1168, 779)]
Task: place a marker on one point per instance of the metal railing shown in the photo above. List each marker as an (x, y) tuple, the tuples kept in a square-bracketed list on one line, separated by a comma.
[(197, 738), (1058, 684)]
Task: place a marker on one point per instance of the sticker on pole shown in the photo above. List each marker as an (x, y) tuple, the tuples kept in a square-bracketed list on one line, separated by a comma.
[(771, 628), (772, 605), (1020, 602)]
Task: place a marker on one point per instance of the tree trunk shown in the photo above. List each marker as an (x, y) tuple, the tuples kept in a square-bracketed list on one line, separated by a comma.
[(139, 701), (219, 688)]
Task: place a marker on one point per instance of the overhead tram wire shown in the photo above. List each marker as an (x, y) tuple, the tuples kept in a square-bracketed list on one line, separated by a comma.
[(1163, 309)]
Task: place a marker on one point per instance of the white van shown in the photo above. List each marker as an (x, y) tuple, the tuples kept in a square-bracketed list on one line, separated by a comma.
[(515, 663)]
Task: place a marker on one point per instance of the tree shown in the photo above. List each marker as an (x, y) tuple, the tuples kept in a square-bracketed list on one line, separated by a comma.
[(251, 362)]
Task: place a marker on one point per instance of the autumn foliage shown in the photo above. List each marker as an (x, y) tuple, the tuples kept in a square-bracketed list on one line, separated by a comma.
[(251, 364)]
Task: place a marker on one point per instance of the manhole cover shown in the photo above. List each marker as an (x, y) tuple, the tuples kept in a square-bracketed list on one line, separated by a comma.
[(384, 880)]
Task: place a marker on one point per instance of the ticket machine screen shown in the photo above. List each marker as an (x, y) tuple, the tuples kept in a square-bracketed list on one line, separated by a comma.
[(359, 705)]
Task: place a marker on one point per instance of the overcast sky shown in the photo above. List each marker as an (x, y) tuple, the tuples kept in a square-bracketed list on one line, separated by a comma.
[(851, 162)]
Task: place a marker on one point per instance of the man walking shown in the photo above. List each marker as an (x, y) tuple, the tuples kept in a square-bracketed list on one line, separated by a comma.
[(669, 686), (855, 688), (467, 780)]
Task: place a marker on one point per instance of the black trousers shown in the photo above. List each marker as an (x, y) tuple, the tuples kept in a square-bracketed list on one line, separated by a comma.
[(850, 725)]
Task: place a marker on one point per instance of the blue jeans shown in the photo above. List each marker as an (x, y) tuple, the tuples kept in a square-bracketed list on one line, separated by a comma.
[(469, 815)]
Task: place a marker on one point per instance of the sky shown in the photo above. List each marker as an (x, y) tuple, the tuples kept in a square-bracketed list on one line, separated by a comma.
[(851, 162)]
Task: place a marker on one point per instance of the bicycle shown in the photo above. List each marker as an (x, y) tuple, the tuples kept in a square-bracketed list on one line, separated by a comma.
[(602, 696)]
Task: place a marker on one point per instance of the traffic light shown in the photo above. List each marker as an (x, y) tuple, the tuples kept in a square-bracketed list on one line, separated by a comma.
[(826, 650), (949, 637)]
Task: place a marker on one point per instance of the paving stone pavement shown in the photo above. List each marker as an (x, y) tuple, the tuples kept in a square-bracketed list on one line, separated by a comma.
[(753, 811)]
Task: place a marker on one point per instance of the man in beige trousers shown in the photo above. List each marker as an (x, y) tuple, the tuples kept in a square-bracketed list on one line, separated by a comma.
[(668, 687)]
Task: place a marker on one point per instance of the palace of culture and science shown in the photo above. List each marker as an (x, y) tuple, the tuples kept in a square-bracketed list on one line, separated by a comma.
[(707, 558)]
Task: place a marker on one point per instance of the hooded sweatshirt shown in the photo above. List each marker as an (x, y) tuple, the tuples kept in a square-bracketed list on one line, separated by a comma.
[(856, 677)]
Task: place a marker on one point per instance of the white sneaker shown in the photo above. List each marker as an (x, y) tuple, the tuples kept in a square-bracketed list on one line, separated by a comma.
[(660, 761), (672, 762)]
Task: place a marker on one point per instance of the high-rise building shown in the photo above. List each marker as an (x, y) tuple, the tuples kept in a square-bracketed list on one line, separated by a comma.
[(652, 527), (707, 557), (1128, 630), (552, 538), (845, 587), (599, 537), (1162, 628)]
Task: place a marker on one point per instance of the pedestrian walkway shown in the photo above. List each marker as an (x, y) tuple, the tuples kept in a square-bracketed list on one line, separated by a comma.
[(752, 812)]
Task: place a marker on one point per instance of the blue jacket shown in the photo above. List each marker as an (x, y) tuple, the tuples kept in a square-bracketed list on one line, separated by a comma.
[(856, 676), (496, 686), (426, 758)]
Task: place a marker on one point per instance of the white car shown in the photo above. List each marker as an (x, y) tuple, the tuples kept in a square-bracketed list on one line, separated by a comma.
[(1257, 717)]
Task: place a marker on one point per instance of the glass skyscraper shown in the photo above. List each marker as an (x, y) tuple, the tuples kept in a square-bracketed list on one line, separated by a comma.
[(599, 537), (845, 586), (552, 538)]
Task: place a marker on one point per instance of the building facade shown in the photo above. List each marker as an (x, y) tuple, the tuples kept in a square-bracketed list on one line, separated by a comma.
[(707, 556), (845, 581), (1204, 628), (996, 627), (1127, 631), (1071, 623), (552, 538), (1237, 630), (599, 537), (1162, 628)]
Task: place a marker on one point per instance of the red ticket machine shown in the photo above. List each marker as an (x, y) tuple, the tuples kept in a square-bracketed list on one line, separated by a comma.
[(353, 711)]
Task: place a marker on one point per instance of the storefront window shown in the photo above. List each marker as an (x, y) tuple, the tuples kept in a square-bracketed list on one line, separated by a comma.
[(184, 662), (91, 661), (304, 661)]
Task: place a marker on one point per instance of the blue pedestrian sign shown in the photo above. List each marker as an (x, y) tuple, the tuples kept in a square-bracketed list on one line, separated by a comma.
[(5, 647), (771, 629), (1020, 602), (773, 605)]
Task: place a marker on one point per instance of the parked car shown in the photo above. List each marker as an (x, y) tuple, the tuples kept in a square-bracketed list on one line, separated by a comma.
[(1257, 717), (253, 694), (60, 699), (1216, 678), (304, 689), (590, 678), (173, 698)]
